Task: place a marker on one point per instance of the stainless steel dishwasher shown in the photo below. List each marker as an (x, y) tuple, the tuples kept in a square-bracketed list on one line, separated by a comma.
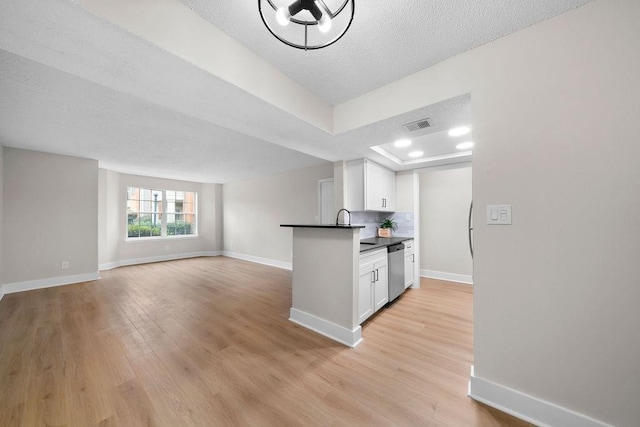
[(396, 270)]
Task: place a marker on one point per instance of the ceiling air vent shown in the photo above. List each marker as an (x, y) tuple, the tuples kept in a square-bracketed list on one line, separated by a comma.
[(420, 124)]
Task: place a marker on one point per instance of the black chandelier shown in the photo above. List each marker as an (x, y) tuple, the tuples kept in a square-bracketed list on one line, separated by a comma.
[(316, 23)]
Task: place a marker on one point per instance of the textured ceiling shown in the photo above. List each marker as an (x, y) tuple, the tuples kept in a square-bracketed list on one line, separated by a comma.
[(74, 83), (387, 40), (84, 119)]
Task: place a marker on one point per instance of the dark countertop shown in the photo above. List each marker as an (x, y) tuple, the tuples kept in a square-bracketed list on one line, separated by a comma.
[(380, 242), (365, 244), (348, 227)]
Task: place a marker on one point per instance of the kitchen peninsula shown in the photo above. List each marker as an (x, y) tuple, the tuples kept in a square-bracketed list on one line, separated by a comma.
[(325, 280), (339, 280)]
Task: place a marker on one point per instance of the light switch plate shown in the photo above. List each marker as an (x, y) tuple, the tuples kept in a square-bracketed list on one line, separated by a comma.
[(499, 214)]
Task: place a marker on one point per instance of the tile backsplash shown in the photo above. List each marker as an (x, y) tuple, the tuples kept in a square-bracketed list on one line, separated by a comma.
[(371, 220), (405, 224)]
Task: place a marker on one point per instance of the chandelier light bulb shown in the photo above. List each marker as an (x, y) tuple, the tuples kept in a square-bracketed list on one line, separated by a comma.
[(324, 24), (283, 16), (309, 23)]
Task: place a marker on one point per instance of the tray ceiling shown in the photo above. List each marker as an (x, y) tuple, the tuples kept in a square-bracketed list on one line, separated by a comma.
[(77, 81)]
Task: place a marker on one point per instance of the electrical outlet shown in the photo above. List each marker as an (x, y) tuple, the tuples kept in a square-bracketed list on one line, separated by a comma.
[(64, 265)]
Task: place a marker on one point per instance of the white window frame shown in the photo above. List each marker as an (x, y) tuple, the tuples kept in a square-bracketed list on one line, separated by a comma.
[(163, 224)]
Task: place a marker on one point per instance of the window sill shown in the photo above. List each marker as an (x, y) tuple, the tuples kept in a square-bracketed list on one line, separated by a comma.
[(159, 239)]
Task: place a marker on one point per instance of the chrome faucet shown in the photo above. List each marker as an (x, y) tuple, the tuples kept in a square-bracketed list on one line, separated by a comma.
[(338, 216)]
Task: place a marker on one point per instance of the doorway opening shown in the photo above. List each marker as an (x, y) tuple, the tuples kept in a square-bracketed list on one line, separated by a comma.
[(326, 202)]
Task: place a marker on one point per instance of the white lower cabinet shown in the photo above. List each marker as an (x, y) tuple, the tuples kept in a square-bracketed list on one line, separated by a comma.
[(381, 286), (409, 263), (373, 288), (365, 293)]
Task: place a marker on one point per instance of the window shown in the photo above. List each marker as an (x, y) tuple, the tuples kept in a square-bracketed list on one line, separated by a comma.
[(160, 213), (180, 213)]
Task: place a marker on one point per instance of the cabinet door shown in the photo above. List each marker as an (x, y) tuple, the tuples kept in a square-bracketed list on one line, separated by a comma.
[(374, 187), (365, 293), (409, 263), (409, 271), (370, 187), (355, 197), (381, 287), (388, 189)]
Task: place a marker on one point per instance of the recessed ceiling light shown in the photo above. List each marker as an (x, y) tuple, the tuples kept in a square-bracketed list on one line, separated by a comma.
[(459, 131), (464, 145), (416, 154), (402, 143)]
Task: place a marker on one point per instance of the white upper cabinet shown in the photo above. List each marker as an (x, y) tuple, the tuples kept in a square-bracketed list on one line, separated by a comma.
[(370, 187)]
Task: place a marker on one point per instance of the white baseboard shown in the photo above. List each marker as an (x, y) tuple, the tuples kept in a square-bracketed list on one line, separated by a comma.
[(30, 285), (147, 260), (449, 277), (323, 327), (525, 407), (1, 292), (259, 260)]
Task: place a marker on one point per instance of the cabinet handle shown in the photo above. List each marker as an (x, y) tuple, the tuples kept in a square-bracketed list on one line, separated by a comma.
[(377, 275), (373, 276), (413, 258)]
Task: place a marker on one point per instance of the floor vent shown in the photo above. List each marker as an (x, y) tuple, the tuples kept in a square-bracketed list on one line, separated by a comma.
[(420, 124)]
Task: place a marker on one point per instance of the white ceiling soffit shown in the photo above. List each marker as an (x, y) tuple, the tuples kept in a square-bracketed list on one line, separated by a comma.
[(387, 40), (55, 39), (52, 111), (76, 84), (173, 27)]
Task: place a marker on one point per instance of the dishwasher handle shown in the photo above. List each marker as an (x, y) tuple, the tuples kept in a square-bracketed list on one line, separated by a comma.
[(395, 248)]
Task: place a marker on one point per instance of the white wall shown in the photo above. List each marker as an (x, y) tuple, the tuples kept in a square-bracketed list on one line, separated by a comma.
[(254, 210), (339, 184), (445, 194), (568, 271), (50, 206), (210, 226), (109, 221), (556, 136), (1, 210), (408, 200), (115, 250), (405, 191)]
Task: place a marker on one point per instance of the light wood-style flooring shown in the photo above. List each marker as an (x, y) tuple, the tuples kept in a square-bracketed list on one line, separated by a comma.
[(207, 342)]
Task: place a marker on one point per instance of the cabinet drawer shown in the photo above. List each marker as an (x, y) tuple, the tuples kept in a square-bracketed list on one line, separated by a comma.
[(373, 257)]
